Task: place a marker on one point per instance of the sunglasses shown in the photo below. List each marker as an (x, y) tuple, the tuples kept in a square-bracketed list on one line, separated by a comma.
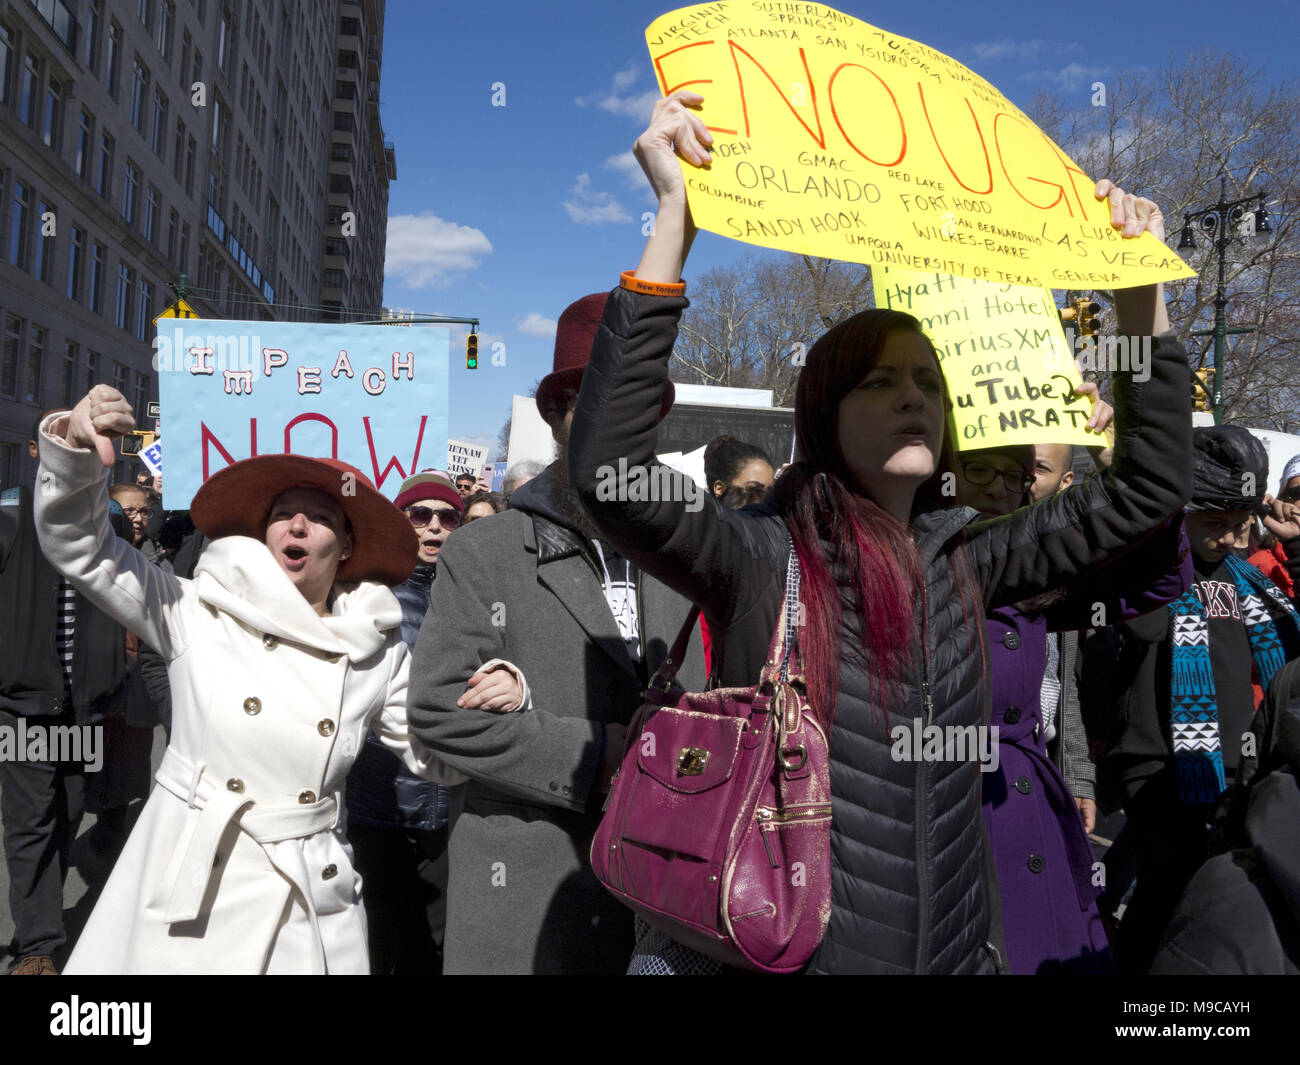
[(981, 474), (447, 517), (1291, 495)]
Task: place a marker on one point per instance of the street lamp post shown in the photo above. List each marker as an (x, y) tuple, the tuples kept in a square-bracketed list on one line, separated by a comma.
[(1216, 219)]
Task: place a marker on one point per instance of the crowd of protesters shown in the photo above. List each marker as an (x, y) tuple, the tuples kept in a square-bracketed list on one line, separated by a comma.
[(392, 726)]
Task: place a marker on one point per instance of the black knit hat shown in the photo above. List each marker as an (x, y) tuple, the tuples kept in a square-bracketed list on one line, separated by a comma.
[(1229, 469)]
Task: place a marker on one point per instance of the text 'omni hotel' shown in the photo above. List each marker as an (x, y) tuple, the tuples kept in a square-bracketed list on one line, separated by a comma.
[(237, 143)]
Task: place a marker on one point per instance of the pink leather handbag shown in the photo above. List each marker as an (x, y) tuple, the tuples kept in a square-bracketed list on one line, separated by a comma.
[(717, 826)]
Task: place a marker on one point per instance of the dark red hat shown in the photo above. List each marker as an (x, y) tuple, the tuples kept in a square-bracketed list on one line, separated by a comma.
[(575, 333), (237, 500)]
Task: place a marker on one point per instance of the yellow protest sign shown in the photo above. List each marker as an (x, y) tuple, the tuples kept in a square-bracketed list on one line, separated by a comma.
[(1009, 369), (837, 139)]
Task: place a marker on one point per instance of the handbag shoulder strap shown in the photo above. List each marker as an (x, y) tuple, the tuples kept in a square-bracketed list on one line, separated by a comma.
[(791, 628)]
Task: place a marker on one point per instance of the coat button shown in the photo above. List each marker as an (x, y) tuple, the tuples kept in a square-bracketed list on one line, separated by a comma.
[(329, 872), (307, 798), (1011, 640), (234, 784), (326, 727), (252, 705), (555, 786), (270, 642), (1023, 786), (1011, 715), (1037, 863)]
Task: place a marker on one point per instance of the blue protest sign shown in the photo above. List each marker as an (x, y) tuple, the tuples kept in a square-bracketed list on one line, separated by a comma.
[(152, 458), (374, 396)]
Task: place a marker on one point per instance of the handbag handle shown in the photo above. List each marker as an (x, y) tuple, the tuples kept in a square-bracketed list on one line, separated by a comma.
[(786, 635)]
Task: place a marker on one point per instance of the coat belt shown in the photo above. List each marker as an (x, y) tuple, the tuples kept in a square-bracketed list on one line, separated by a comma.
[(191, 783)]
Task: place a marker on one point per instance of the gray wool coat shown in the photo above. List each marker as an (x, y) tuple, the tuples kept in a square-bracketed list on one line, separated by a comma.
[(522, 586)]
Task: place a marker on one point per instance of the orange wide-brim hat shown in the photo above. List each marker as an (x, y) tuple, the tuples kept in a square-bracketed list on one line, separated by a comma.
[(237, 500)]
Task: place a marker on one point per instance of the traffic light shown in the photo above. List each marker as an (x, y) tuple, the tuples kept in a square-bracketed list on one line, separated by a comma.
[(1203, 394), (137, 440), (471, 351), (1086, 315)]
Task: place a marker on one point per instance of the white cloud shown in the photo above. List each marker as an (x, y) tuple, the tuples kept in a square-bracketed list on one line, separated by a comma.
[(536, 325), (625, 164), (989, 51), (617, 100), (590, 208), (424, 251), (1072, 77)]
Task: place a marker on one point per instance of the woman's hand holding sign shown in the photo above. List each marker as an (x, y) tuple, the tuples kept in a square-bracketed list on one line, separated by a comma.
[(1139, 312), (674, 130)]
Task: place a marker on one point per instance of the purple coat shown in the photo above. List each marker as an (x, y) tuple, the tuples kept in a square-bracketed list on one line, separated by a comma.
[(1044, 860)]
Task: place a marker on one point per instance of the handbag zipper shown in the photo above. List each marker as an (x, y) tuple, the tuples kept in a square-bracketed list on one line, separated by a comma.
[(769, 818)]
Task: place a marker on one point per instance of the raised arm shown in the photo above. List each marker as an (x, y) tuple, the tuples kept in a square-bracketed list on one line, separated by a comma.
[(1150, 478), (72, 524)]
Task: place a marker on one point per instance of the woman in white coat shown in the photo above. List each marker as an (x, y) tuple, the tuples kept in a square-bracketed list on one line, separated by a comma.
[(281, 652)]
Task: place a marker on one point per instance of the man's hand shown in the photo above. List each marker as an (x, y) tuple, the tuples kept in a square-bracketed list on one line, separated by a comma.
[(1280, 518), (1088, 808), (495, 688), (1103, 414), (100, 418)]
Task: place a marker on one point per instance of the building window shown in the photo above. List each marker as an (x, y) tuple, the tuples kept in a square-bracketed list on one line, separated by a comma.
[(141, 394), (70, 353), (20, 226), (191, 150), (94, 20), (43, 262), (125, 294), (187, 43), (53, 113), (98, 253), (104, 182), (143, 310), (85, 142), (29, 101), (152, 207), (129, 188), (92, 370), (218, 126), (144, 8), (173, 223), (184, 260), (166, 19), (225, 43), (139, 92), (158, 133), (121, 377), (6, 62), (113, 58), (35, 365), (15, 327), (343, 122), (76, 249)]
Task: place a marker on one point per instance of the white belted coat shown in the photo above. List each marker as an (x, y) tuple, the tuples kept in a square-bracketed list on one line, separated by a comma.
[(238, 863)]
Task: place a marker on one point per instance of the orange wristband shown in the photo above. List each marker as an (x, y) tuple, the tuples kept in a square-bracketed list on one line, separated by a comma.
[(650, 288)]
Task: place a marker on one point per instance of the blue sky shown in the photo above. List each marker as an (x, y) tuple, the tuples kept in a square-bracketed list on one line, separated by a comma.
[(509, 213)]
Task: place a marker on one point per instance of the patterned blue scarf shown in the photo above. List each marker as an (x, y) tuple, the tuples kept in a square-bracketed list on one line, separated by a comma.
[(1274, 632)]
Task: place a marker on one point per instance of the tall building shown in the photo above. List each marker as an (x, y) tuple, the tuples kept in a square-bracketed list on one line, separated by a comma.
[(232, 147)]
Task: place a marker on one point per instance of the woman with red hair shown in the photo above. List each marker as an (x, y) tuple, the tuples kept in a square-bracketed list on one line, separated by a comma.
[(895, 577)]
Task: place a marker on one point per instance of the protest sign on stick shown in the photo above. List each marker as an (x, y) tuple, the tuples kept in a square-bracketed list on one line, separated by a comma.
[(352, 392), (837, 139), (464, 457), (1009, 369)]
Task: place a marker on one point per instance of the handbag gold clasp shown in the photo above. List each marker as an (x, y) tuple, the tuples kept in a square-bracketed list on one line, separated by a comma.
[(692, 760), (801, 752)]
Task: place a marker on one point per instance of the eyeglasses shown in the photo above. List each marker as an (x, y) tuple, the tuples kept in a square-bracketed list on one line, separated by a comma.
[(138, 512), (1291, 495), (421, 516), (982, 474)]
